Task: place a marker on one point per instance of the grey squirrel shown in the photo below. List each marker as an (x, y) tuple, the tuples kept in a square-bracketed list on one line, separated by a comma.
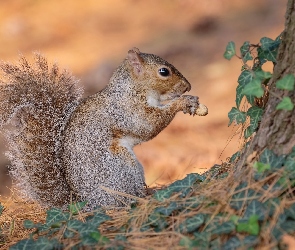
[(64, 148)]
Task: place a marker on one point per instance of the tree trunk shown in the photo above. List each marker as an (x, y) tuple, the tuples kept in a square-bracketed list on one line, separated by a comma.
[(277, 128)]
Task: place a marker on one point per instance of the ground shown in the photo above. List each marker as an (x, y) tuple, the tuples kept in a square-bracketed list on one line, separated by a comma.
[(90, 39)]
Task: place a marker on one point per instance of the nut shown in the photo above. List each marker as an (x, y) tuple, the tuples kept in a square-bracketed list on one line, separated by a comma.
[(202, 110)]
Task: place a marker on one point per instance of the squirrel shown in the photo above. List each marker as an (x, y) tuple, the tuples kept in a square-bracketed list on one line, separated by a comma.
[(63, 147)]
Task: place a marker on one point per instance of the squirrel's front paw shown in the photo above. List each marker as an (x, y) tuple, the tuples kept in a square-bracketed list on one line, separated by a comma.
[(192, 106)]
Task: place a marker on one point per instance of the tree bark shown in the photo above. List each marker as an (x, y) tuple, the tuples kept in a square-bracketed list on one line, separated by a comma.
[(277, 127)]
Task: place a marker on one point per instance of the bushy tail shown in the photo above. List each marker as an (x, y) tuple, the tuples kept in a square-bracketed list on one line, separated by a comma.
[(36, 102)]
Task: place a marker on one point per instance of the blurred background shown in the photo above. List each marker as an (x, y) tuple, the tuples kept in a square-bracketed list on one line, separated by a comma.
[(90, 38)]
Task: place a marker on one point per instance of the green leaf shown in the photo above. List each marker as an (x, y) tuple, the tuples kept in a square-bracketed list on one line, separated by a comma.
[(269, 157), (243, 197), (224, 228), (245, 52), (286, 83), (268, 49), (182, 186), (253, 88), (261, 167), (256, 208), (68, 234), (42, 243), (272, 204), (285, 104), (56, 215), (215, 244), (251, 226), (29, 224), (76, 207), (230, 51), (290, 165), (202, 239), (266, 43), (1, 208), (76, 225), (290, 212), (192, 223), (236, 115), (245, 77), (158, 221), (239, 95), (99, 238), (248, 132), (232, 243), (234, 157), (97, 219), (262, 75), (188, 243), (251, 99), (255, 114), (167, 210), (192, 202), (236, 243)]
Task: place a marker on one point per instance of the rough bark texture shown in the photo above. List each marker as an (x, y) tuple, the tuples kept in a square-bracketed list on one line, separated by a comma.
[(277, 128)]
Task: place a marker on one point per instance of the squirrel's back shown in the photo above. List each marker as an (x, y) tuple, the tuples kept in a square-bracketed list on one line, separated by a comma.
[(37, 101)]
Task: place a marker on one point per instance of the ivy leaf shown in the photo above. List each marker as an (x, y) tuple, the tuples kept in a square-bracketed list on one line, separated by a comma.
[(269, 157), (234, 157), (290, 212), (266, 43), (239, 95), (183, 186), (29, 224), (286, 83), (237, 116), (245, 52), (272, 205), (192, 202), (97, 219), (242, 197), (290, 165), (192, 223), (253, 88), (158, 221), (56, 215), (224, 228), (268, 49), (248, 132), (230, 50), (74, 224), (245, 77), (41, 243), (215, 244), (99, 238), (189, 244), (202, 240), (262, 75), (255, 114), (167, 210), (251, 99), (285, 104), (251, 226), (255, 208), (76, 207), (261, 167)]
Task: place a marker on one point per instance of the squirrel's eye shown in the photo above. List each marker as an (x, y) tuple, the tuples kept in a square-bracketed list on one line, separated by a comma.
[(164, 72)]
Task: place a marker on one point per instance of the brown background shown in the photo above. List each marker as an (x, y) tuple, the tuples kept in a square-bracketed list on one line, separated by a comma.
[(90, 38)]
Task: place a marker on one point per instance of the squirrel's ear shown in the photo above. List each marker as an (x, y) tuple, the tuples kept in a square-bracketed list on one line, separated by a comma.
[(136, 61)]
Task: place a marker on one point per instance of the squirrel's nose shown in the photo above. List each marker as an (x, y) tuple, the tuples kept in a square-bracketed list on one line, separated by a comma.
[(188, 86)]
